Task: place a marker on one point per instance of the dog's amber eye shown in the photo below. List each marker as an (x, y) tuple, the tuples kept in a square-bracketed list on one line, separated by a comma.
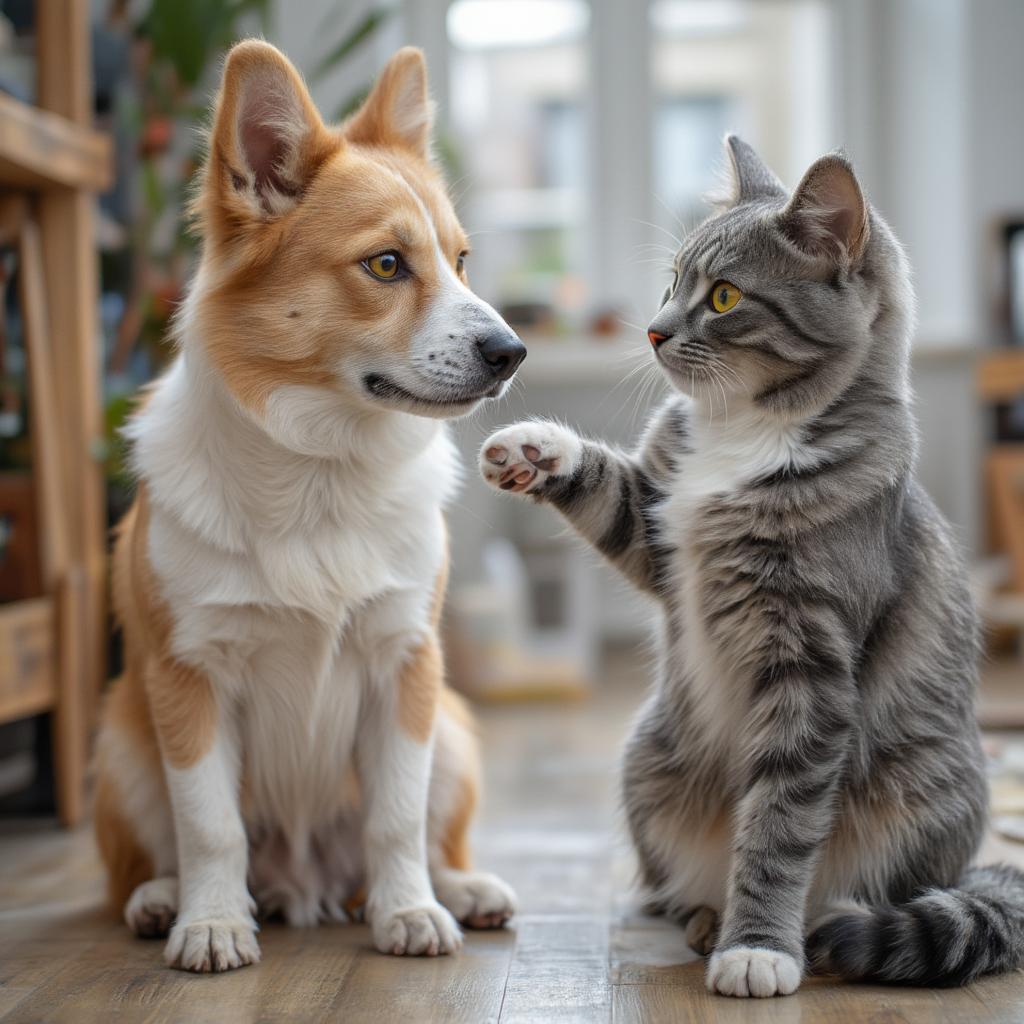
[(460, 263), (724, 296), (385, 265)]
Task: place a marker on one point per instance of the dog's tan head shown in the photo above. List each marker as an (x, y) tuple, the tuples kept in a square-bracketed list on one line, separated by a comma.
[(334, 265)]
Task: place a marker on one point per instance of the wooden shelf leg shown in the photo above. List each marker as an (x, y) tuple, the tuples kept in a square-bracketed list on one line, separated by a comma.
[(71, 712)]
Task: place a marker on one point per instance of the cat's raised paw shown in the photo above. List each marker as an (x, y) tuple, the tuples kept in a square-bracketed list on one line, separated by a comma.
[(745, 971), (523, 457)]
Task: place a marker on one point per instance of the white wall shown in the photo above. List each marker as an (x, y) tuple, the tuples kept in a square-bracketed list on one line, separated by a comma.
[(930, 96), (307, 31), (995, 138), (904, 109)]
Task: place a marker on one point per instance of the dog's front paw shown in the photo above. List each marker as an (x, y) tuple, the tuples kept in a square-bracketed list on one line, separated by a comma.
[(476, 898), (152, 908), (523, 457), (702, 931), (745, 971), (214, 944), (427, 930)]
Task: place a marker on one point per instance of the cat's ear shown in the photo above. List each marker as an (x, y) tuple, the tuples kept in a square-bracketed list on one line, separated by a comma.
[(752, 178), (268, 139), (828, 215), (398, 111)]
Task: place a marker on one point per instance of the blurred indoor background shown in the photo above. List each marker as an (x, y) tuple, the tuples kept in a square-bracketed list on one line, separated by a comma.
[(579, 137)]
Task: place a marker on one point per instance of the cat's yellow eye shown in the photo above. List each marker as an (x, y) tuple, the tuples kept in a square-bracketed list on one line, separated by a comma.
[(724, 296), (460, 263), (385, 265)]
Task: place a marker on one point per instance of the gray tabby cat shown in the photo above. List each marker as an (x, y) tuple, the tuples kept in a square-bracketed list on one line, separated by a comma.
[(808, 763)]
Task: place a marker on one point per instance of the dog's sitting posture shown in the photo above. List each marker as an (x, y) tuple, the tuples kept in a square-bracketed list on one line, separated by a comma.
[(281, 739)]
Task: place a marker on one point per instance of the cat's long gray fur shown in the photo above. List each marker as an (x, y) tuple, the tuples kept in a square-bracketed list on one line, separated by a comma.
[(806, 774)]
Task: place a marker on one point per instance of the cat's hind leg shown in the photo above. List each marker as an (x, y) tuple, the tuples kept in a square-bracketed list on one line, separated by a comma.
[(680, 833)]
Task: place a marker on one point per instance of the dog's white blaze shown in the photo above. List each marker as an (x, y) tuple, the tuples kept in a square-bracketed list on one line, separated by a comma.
[(448, 311)]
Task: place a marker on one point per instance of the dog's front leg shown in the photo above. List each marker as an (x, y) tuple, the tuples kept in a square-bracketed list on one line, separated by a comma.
[(214, 930), (394, 756)]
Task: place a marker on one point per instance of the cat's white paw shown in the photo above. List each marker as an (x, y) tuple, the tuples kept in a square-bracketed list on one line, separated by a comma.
[(428, 930), (744, 971), (215, 944), (523, 457)]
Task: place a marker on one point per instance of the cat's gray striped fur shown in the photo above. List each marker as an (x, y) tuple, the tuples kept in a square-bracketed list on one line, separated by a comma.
[(808, 763)]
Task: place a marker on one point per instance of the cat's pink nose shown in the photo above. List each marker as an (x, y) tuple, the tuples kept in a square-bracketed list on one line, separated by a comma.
[(656, 338)]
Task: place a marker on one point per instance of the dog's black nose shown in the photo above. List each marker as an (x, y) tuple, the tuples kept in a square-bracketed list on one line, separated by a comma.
[(502, 351)]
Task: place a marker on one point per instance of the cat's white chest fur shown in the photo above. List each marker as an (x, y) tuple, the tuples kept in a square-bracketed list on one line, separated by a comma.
[(728, 452), (725, 455)]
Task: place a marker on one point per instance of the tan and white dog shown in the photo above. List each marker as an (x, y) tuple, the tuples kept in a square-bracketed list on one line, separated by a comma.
[(282, 738)]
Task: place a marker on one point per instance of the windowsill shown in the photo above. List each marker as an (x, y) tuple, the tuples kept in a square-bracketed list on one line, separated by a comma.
[(588, 359), (581, 358)]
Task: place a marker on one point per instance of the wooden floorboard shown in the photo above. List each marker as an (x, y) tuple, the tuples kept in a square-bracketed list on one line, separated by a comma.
[(579, 951)]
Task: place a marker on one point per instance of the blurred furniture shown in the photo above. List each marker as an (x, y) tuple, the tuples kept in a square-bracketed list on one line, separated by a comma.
[(497, 650), (1000, 380), (52, 647)]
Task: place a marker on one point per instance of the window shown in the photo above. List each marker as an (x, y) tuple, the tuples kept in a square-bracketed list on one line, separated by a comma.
[(518, 79), (756, 67), (580, 132), (688, 134)]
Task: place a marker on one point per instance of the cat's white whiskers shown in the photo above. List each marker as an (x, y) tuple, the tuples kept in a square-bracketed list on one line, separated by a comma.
[(673, 214), (659, 227)]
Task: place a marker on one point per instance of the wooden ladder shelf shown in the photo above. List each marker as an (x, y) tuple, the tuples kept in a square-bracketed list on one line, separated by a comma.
[(52, 647)]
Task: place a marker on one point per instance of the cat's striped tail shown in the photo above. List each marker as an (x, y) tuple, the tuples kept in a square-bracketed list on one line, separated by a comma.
[(941, 937)]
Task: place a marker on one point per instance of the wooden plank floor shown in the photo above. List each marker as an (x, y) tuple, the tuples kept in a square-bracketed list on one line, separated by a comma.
[(578, 951)]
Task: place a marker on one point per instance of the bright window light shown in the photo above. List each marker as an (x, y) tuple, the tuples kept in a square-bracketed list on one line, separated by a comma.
[(698, 17), (511, 24)]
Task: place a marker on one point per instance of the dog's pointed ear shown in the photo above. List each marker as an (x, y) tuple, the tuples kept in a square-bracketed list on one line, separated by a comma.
[(752, 178), (268, 140), (398, 110), (828, 214)]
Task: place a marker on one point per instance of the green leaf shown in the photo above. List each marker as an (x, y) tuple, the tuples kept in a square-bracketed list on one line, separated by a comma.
[(352, 41), (190, 33), (153, 189)]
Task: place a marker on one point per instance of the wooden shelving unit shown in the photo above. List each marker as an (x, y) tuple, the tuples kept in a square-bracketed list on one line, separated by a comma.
[(52, 162), (1000, 379), (40, 150)]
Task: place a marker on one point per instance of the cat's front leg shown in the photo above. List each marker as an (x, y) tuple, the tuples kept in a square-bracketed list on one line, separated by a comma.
[(608, 497), (796, 746)]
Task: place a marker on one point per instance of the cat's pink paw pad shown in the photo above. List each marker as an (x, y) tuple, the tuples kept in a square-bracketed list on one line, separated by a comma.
[(521, 458)]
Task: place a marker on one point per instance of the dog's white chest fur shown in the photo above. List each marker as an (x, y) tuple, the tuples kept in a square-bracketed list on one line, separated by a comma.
[(726, 454), (293, 581)]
